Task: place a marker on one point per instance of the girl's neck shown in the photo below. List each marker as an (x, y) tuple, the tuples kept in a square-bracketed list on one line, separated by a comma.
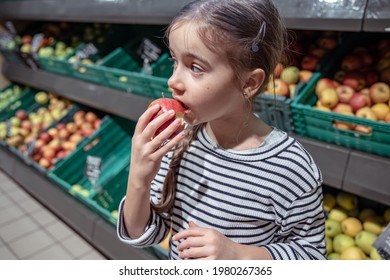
[(245, 135)]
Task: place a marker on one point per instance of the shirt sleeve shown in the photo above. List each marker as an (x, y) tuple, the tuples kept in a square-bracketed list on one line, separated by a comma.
[(158, 227), (302, 233)]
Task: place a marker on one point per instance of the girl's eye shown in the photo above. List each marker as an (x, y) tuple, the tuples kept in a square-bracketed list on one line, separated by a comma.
[(196, 69)]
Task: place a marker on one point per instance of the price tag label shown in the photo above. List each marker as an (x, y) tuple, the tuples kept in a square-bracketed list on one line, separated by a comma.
[(31, 147), (37, 41), (87, 51), (382, 243), (5, 38), (93, 168), (8, 128), (10, 27), (149, 50)]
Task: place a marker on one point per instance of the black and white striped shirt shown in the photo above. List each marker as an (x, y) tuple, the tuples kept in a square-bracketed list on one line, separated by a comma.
[(270, 196)]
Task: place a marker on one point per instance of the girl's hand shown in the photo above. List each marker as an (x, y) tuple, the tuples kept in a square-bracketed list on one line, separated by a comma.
[(205, 243), (147, 153)]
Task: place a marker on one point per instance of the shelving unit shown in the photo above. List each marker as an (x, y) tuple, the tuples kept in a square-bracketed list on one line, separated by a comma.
[(363, 174)]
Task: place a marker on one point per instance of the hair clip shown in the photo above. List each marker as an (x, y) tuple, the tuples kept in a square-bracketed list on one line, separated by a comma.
[(259, 37)]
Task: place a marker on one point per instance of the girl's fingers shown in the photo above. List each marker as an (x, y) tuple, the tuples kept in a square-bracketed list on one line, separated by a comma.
[(144, 119)]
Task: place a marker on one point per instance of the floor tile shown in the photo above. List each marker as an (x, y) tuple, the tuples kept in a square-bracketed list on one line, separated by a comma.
[(4, 200), (30, 244), (18, 195), (30, 205), (92, 255), (6, 254), (17, 228), (59, 231), (55, 252), (8, 185), (44, 217), (9, 214), (76, 246)]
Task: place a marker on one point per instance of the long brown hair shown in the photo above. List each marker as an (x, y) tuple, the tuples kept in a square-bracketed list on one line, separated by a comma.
[(250, 33)]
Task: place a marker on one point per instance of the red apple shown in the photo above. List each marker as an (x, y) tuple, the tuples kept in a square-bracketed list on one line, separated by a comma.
[(21, 114), (49, 154), (278, 87), (45, 163), (75, 138), (60, 126), (327, 42), (309, 62), (167, 104), (342, 108), (71, 127), (344, 93), (78, 115), (324, 83), (380, 92), (367, 113), (305, 75), (26, 124), (90, 117), (46, 137), (355, 80), (63, 134), (359, 100), (351, 62), (53, 132)]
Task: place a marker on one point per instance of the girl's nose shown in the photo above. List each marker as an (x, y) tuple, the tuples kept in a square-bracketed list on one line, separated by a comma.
[(175, 82)]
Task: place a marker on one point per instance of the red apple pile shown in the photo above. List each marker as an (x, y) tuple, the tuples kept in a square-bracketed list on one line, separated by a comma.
[(59, 141), (24, 126), (371, 103), (304, 53)]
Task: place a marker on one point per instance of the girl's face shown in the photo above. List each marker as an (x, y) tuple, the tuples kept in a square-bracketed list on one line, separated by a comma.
[(203, 80)]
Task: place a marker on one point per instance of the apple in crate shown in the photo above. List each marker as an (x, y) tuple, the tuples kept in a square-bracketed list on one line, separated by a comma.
[(167, 104)]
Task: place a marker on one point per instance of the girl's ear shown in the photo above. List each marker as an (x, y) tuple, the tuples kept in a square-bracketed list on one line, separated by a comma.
[(254, 80)]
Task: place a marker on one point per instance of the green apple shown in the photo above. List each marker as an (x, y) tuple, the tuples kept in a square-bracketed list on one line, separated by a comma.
[(334, 256), (342, 242), (337, 214), (41, 97), (365, 213), (329, 201), (364, 240), (290, 75), (329, 245), (332, 228), (374, 255), (347, 201)]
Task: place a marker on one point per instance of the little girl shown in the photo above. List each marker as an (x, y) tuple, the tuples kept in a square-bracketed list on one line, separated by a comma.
[(231, 187)]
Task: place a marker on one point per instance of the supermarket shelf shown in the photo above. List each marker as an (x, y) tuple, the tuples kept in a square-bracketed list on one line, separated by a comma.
[(377, 16), (298, 14), (364, 174), (93, 228), (112, 101)]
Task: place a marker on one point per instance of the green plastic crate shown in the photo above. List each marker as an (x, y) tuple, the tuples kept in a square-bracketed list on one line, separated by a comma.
[(124, 66), (317, 124), (112, 143), (106, 202), (276, 110), (114, 37)]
